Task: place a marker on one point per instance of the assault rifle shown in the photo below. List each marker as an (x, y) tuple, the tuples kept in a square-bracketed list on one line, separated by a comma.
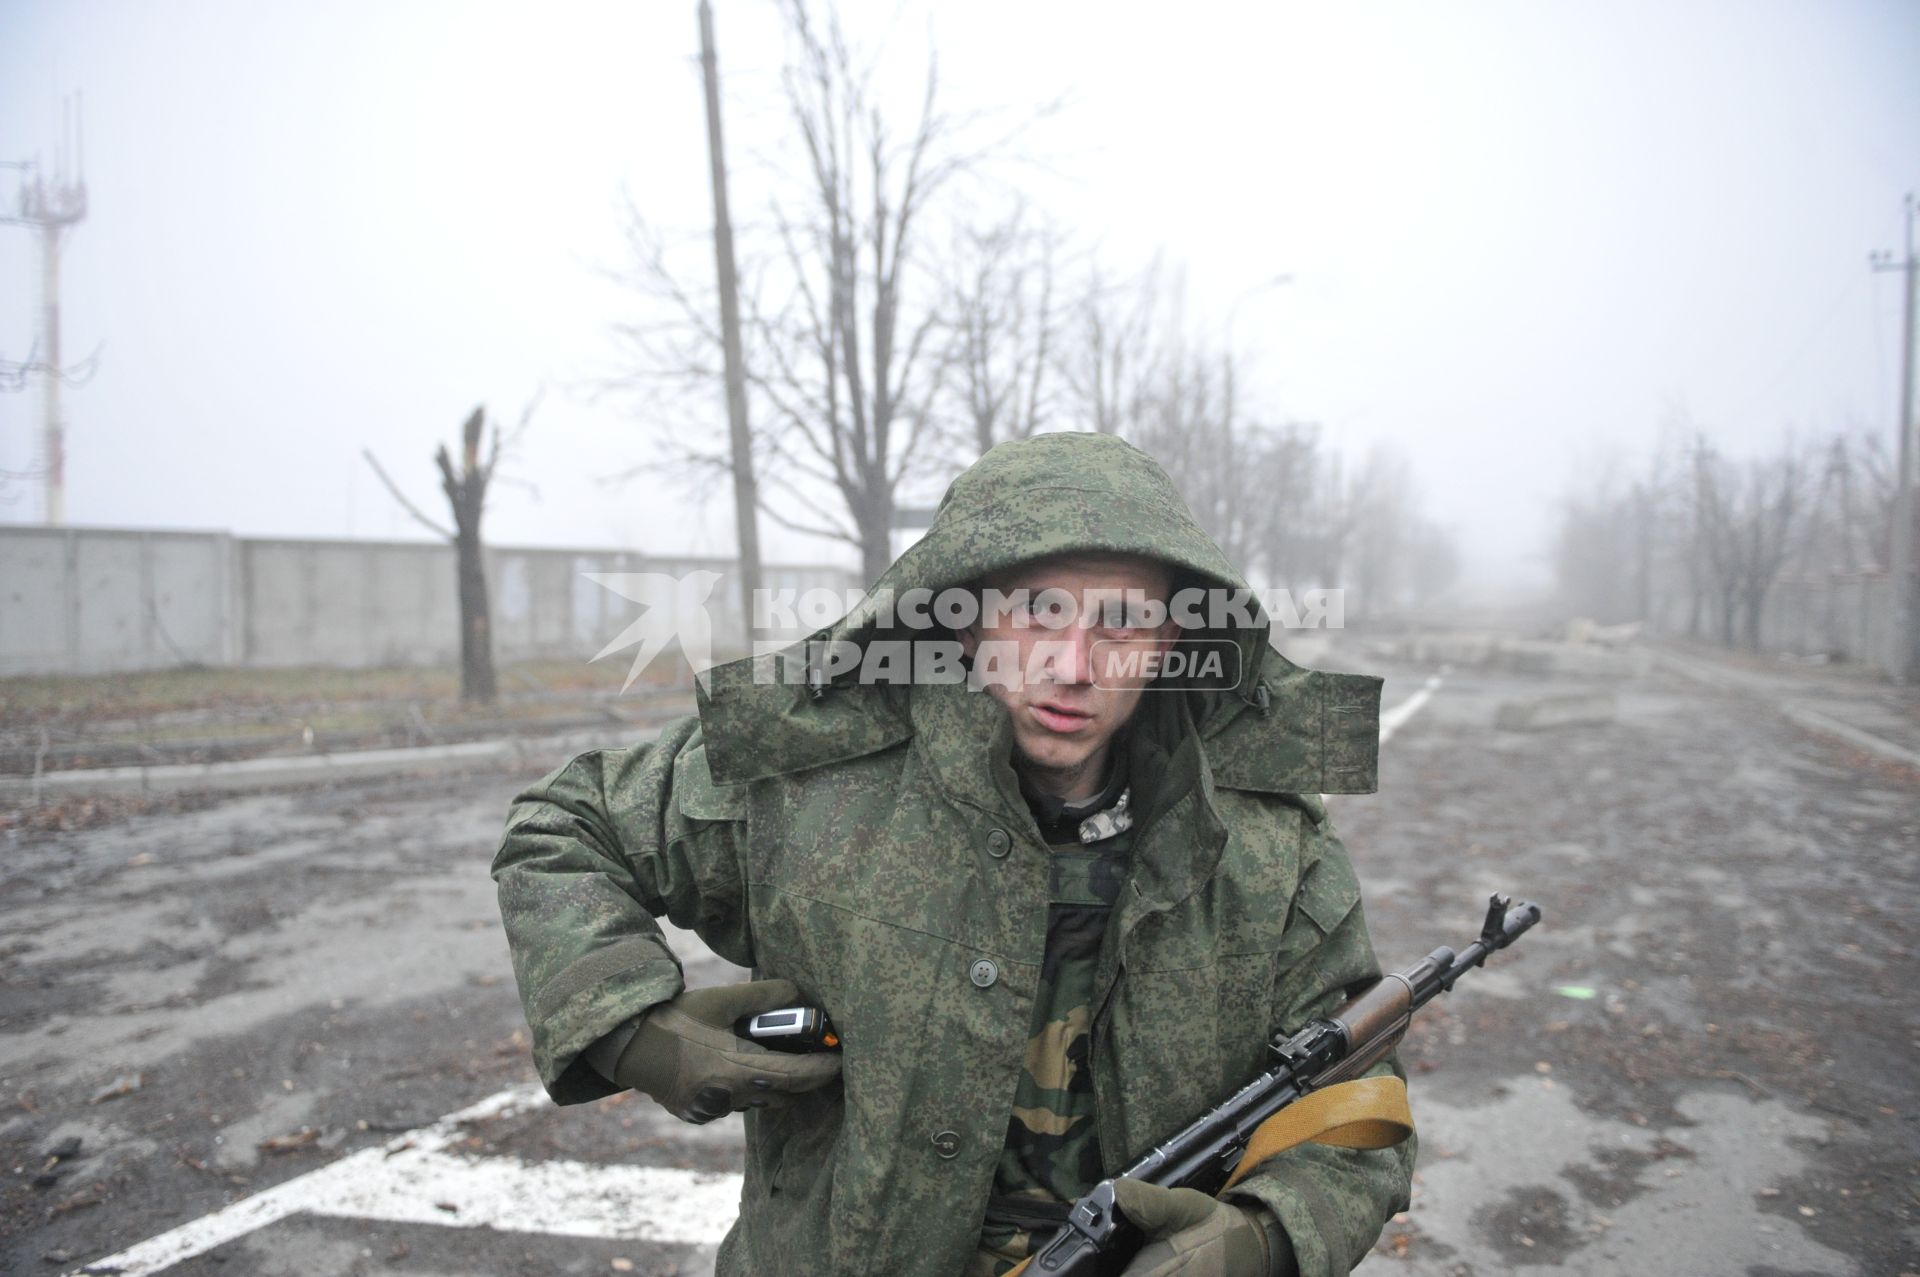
[(1097, 1240)]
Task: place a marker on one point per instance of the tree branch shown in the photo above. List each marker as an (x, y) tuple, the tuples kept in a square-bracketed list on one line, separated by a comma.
[(401, 497)]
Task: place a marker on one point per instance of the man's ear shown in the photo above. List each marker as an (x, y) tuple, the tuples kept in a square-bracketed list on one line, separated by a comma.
[(969, 637)]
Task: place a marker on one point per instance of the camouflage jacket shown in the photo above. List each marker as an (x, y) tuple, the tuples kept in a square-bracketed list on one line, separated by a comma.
[(871, 844)]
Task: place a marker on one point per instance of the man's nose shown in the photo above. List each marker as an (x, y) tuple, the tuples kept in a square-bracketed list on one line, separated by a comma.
[(1070, 655)]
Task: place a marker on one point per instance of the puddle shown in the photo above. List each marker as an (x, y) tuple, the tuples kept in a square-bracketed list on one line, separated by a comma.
[(1532, 1180)]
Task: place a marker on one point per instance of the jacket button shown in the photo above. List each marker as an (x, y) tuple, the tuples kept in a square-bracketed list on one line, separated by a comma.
[(947, 1143), (999, 844), (983, 973)]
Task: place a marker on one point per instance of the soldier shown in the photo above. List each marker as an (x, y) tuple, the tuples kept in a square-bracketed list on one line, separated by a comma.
[(1051, 923)]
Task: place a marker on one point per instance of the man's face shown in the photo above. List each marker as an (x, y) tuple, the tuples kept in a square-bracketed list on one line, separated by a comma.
[(1079, 609)]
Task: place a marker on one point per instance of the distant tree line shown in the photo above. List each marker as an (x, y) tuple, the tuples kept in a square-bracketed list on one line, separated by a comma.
[(1695, 541)]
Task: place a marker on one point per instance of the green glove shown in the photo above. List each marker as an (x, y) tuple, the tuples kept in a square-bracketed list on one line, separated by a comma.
[(685, 1054), (1193, 1235)]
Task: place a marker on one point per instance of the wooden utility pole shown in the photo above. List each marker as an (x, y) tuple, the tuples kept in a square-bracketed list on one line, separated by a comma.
[(1904, 653), (746, 510)]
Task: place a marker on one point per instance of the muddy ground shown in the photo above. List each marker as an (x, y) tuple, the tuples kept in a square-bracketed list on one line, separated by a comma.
[(1703, 1061)]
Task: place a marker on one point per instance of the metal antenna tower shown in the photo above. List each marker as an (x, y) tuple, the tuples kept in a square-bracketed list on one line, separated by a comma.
[(53, 199)]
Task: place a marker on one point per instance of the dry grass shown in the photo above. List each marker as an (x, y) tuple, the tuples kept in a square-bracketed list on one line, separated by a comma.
[(81, 721)]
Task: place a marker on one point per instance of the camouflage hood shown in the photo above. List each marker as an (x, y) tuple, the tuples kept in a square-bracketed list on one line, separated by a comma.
[(1059, 493), (1052, 494), (1026, 500)]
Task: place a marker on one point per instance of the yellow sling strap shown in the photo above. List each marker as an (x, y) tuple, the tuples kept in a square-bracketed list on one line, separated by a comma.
[(1368, 1112)]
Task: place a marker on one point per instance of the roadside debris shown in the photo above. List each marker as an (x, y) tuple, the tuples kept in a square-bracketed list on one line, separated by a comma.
[(125, 1084), (92, 1196), (1580, 709), (287, 1143)]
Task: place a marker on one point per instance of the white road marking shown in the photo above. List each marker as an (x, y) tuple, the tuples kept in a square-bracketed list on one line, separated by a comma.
[(1392, 720), (571, 1199), (412, 1179)]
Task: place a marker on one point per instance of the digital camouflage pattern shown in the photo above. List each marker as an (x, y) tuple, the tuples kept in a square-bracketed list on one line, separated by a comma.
[(1052, 1153), (871, 844)]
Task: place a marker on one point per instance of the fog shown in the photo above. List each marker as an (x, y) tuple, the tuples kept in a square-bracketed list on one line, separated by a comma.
[(1528, 357), (1516, 240)]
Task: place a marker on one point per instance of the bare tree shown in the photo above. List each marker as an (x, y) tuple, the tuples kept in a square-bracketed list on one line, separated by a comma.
[(1185, 417), (1335, 513), (1870, 493), (466, 486), (1774, 497), (1745, 518), (1285, 469), (1715, 537), (847, 346), (1265, 494), (1827, 540), (1595, 578), (1677, 587), (1380, 502), (1251, 485), (1005, 327), (855, 359), (1110, 355), (1130, 368), (1700, 543)]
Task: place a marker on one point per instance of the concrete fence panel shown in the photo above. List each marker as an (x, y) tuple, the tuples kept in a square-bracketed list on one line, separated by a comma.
[(36, 603), (189, 605), (1841, 615), (98, 600), (112, 589)]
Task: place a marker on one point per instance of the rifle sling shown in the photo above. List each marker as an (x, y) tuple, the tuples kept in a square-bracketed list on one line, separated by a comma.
[(1368, 1112)]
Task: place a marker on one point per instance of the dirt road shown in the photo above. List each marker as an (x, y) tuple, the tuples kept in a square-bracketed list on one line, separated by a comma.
[(1701, 1063)]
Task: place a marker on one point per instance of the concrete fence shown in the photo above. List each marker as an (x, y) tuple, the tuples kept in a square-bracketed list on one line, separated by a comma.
[(1844, 616), (102, 600), (1847, 616)]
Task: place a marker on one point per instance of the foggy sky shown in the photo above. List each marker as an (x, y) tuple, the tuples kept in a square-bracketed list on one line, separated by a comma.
[(1518, 234)]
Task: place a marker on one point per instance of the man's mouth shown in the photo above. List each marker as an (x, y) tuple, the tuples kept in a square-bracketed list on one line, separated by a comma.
[(1059, 718)]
